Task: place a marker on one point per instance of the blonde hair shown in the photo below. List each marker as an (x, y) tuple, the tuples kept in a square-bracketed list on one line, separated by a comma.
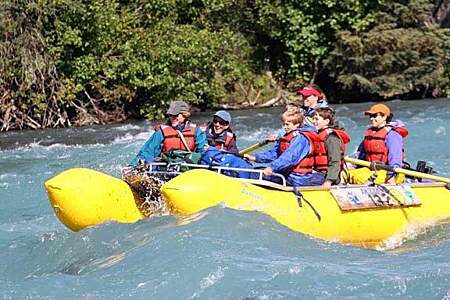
[(295, 117), (293, 107)]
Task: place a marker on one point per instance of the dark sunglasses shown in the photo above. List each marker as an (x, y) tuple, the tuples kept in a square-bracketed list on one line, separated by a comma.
[(220, 121), (171, 116), (374, 115)]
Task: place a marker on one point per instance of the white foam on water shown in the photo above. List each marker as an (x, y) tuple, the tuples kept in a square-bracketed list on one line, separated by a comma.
[(127, 127), (123, 139), (209, 281), (411, 232), (295, 270), (441, 130), (213, 278)]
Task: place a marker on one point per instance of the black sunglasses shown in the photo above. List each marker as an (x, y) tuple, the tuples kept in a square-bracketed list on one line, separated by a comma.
[(220, 121), (171, 116), (375, 115)]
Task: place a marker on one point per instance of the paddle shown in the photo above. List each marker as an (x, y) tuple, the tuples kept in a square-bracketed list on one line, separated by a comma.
[(254, 147), (411, 173)]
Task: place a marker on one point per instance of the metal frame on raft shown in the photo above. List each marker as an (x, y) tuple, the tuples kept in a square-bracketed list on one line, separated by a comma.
[(175, 168), (147, 179)]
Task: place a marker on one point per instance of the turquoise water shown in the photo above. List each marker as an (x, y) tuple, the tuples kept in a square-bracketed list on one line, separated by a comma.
[(219, 254)]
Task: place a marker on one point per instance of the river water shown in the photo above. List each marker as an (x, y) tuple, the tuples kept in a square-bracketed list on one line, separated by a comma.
[(223, 253)]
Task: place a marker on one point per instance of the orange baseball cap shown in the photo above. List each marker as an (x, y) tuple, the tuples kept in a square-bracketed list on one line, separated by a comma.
[(378, 108)]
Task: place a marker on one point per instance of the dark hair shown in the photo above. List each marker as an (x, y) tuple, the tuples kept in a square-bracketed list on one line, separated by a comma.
[(389, 118), (328, 114)]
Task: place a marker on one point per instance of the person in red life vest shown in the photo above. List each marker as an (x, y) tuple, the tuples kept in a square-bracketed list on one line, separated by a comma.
[(178, 133), (384, 143), (293, 155), (335, 139), (219, 133), (313, 98)]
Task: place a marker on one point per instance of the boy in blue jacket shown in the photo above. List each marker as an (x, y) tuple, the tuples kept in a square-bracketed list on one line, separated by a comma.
[(293, 155)]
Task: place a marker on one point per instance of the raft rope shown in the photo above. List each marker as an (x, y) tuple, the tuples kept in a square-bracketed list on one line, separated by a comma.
[(371, 182), (300, 197)]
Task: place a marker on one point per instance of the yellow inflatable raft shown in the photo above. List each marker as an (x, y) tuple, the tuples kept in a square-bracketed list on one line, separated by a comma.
[(83, 197), (320, 215)]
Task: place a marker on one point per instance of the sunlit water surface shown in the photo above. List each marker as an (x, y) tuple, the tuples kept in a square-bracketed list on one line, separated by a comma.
[(219, 254)]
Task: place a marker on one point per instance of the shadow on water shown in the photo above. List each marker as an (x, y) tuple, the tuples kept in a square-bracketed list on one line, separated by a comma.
[(83, 252)]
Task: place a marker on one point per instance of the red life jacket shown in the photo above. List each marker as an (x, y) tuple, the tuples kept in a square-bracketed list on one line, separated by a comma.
[(341, 134), (316, 159), (224, 146), (375, 142), (172, 139)]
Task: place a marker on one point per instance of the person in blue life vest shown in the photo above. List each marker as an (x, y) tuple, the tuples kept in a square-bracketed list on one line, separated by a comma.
[(178, 133), (294, 155), (335, 140), (219, 133), (313, 98), (383, 143)]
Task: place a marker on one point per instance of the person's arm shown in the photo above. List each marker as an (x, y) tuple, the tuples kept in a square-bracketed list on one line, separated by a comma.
[(394, 143), (200, 140), (333, 146), (298, 149), (150, 150), (268, 155)]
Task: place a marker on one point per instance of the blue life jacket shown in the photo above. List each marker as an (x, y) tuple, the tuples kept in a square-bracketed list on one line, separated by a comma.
[(216, 158)]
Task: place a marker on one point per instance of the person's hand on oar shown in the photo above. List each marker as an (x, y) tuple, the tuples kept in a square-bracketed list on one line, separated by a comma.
[(249, 157), (273, 137)]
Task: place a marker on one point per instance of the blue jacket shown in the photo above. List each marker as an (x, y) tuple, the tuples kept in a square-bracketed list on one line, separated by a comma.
[(153, 146), (297, 150)]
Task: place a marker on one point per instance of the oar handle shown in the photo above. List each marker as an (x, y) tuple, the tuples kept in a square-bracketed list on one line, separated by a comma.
[(253, 147), (411, 173), (370, 165)]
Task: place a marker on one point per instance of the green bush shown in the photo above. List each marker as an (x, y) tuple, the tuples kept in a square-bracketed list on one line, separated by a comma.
[(402, 55)]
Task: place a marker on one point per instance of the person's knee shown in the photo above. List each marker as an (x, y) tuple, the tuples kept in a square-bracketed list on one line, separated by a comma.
[(359, 176)]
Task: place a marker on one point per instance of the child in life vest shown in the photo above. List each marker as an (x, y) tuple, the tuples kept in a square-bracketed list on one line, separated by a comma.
[(178, 133), (219, 133), (294, 154), (383, 143), (335, 139), (292, 107)]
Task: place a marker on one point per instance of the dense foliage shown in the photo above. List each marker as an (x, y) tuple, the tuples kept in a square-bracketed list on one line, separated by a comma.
[(65, 62), (403, 54)]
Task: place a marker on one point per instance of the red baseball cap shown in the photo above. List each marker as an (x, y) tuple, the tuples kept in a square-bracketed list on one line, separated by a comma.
[(309, 91)]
